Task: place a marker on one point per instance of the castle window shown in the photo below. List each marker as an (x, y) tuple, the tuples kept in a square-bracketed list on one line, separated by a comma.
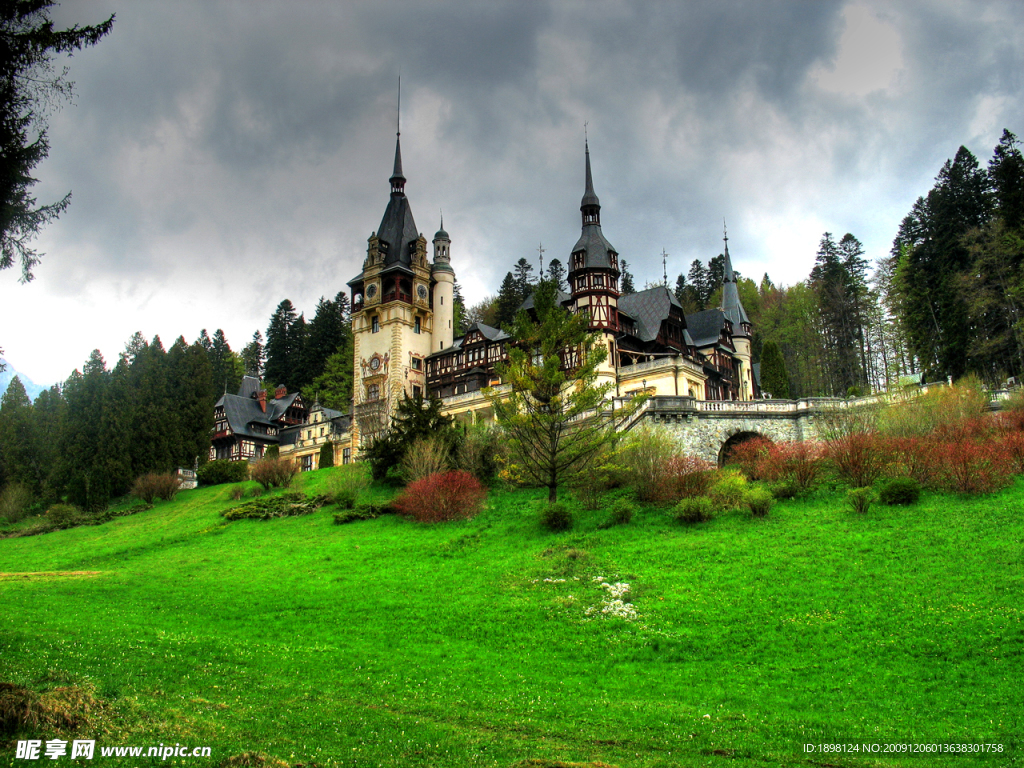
[(417, 392), (599, 280), (416, 326), (373, 392), (346, 455), (417, 364), (375, 324)]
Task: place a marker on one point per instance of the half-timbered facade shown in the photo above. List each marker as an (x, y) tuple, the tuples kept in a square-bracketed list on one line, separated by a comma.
[(246, 424)]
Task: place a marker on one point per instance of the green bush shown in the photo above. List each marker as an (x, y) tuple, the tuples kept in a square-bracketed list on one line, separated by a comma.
[(696, 509), (287, 505), (622, 512), (15, 502), (900, 490), (272, 453), (860, 499), (784, 489), (556, 517), (223, 471), (728, 490), (479, 451), (760, 501), (64, 516), (346, 484), (362, 512), (236, 492)]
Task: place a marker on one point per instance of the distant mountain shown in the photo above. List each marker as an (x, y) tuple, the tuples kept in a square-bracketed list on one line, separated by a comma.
[(10, 372)]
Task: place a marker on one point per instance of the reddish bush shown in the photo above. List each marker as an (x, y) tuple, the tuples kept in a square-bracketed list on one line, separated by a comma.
[(798, 462), (860, 458), (685, 477), (966, 430), (913, 457), (273, 472), (967, 467), (1012, 446), (156, 486), (751, 455), (1011, 420), (440, 497)]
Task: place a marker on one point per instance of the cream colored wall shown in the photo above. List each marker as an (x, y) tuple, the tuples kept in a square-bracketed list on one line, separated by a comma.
[(746, 373), (444, 311)]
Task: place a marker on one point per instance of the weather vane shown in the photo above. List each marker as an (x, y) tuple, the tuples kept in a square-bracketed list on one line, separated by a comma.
[(664, 266), (540, 253)]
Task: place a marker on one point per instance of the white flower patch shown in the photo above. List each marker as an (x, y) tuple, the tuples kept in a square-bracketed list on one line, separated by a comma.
[(554, 581), (614, 603)]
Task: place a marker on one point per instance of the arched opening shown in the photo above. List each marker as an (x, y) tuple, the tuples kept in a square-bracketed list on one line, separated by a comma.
[(725, 452)]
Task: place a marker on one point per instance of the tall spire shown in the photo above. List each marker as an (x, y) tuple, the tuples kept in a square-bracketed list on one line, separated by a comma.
[(730, 276), (590, 206), (397, 177)]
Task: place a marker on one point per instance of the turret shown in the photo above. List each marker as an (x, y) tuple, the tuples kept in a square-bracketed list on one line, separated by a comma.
[(444, 292), (732, 308)]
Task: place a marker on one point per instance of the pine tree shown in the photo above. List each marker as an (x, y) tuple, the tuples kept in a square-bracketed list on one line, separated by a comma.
[(627, 277), (279, 350), (1006, 175), (333, 387), (508, 302), (18, 460), (701, 281), (226, 368), (554, 418), (556, 274), (523, 277), (253, 357), (774, 379)]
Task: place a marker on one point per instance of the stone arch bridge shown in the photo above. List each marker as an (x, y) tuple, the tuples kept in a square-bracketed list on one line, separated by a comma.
[(707, 428)]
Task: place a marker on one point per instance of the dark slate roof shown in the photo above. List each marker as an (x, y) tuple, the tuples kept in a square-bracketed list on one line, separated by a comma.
[(589, 195), (491, 334), (731, 305), (706, 327), (243, 411), (593, 242), (648, 309), (276, 408), (397, 228), (756, 368), (250, 386)]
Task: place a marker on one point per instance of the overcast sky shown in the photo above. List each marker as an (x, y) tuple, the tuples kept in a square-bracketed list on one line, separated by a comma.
[(225, 156)]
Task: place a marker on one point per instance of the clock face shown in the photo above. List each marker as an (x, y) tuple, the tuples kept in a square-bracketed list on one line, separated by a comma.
[(375, 363), (422, 292), (371, 291)]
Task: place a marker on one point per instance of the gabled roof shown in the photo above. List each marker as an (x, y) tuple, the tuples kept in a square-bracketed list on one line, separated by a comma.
[(706, 327), (241, 412), (491, 334), (648, 309), (276, 408), (731, 305)]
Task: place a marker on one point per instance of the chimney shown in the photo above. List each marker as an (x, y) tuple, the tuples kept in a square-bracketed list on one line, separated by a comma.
[(263, 400), (280, 392)]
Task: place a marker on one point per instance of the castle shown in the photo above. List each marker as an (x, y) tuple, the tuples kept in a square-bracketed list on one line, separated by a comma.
[(403, 318)]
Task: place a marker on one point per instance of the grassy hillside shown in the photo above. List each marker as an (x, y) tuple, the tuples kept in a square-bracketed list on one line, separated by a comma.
[(389, 643)]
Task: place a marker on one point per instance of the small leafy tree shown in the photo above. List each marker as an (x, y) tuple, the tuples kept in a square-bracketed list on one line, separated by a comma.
[(327, 455), (556, 417), (415, 418)]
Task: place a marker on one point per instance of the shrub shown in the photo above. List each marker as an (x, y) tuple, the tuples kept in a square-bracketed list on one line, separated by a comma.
[(784, 489), (236, 492), (15, 502), (363, 512), (645, 456), (479, 451), (687, 476), (64, 516), (728, 490), (440, 497), (914, 457), (1012, 446), (621, 514), (588, 493), (272, 453), (751, 455), (966, 467), (556, 517), (426, 456), (859, 458), (860, 499), (156, 486), (699, 509), (256, 491), (947, 409), (760, 501), (799, 462), (273, 473), (346, 484), (900, 490), (223, 471), (326, 455), (288, 505)]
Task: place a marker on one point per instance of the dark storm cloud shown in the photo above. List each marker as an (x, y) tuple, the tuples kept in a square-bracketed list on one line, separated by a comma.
[(243, 149)]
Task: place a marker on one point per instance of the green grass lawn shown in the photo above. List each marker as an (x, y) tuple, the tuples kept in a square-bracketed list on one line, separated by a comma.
[(389, 643)]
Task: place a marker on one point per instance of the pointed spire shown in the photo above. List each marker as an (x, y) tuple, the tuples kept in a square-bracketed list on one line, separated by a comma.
[(397, 177), (590, 206), (730, 276)]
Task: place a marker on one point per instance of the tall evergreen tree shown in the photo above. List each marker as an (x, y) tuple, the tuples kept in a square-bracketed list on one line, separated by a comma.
[(280, 347), (253, 357), (1006, 175), (556, 274), (774, 379), (508, 302), (18, 460), (701, 281), (522, 274), (627, 277)]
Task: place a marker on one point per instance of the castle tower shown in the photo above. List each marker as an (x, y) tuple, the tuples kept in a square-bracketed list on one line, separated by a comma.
[(732, 308), (391, 312), (594, 264), (444, 291)]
